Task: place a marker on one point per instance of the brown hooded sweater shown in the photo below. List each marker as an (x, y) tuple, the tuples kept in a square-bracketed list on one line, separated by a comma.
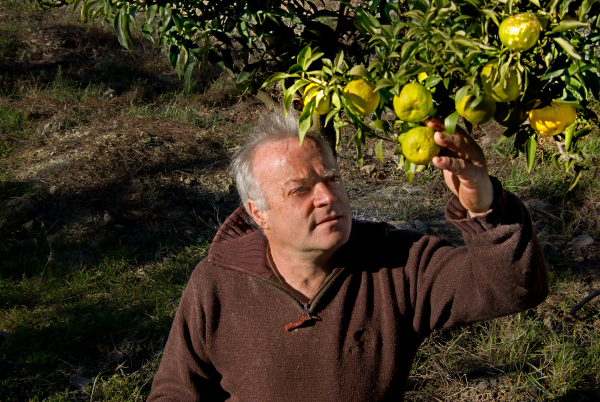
[(389, 289)]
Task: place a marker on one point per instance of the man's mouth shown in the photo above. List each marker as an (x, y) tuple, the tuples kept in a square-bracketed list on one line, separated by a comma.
[(330, 219)]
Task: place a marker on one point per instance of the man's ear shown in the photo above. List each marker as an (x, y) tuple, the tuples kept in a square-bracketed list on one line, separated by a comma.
[(257, 214)]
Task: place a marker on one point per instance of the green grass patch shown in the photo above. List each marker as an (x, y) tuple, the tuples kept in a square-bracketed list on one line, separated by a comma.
[(13, 128), (95, 316)]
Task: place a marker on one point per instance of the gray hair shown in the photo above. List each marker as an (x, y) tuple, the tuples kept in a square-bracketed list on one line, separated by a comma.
[(275, 126)]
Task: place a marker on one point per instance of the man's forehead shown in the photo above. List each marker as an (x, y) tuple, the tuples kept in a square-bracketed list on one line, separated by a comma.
[(291, 162), (289, 153)]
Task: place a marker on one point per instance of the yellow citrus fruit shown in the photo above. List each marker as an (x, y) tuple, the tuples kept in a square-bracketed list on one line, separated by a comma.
[(362, 95), (520, 32), (552, 120), (414, 103), (500, 89), (510, 114), (479, 114), (323, 105), (418, 145)]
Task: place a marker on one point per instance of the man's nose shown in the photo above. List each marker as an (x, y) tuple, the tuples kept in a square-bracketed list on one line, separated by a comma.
[(323, 195)]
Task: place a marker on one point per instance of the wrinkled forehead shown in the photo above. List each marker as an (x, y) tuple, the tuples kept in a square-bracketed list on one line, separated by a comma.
[(284, 157)]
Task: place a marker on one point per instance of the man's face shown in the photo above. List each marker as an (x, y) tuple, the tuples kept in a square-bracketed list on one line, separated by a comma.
[(309, 210)]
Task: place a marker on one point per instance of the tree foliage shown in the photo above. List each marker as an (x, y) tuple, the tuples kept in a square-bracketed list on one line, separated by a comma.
[(444, 44)]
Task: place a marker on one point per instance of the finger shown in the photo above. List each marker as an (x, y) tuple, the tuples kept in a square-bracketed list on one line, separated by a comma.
[(467, 172), (462, 146), (435, 123)]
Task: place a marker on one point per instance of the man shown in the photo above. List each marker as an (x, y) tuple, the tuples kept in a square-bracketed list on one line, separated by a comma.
[(298, 302)]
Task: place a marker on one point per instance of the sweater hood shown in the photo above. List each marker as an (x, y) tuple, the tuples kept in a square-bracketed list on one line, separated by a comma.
[(240, 245)]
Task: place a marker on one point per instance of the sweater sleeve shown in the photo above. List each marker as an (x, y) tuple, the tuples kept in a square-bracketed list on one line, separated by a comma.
[(500, 271), (185, 372)]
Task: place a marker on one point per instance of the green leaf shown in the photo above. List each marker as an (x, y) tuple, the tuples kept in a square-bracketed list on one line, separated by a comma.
[(118, 26), (305, 120), (530, 148), (173, 55), (409, 170), (151, 13), (359, 70), (243, 76), (450, 123), (358, 142), (178, 20), (567, 47), (379, 150), (460, 95), (339, 60), (187, 76), (584, 8), (578, 173), (555, 161), (85, 9), (313, 58), (304, 56), (289, 92), (332, 114), (475, 102), (432, 81), (569, 131), (278, 77), (295, 68), (384, 83), (581, 133), (493, 15), (568, 25), (380, 125), (74, 6), (553, 74)]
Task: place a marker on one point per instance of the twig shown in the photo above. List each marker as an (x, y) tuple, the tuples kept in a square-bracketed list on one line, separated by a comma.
[(576, 308), (471, 375), (561, 149), (267, 100)]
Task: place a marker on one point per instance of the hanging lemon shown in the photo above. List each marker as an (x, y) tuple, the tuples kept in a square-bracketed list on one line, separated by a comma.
[(520, 32)]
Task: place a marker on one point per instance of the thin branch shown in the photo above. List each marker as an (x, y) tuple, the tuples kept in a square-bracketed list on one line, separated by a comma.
[(488, 371), (576, 308)]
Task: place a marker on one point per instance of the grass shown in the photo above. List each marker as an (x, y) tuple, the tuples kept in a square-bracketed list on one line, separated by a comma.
[(66, 315)]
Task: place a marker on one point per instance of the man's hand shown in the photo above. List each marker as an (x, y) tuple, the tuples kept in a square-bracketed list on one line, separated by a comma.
[(464, 167)]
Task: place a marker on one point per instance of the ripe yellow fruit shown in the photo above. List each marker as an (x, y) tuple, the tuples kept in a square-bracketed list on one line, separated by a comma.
[(479, 114), (520, 32), (501, 90), (324, 105), (414, 103), (362, 96), (418, 145), (552, 120)]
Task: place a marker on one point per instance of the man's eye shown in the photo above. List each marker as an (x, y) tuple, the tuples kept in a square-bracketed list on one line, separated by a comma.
[(299, 190), (334, 179)]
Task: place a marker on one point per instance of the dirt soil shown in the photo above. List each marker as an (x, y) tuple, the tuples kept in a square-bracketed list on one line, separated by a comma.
[(114, 164)]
